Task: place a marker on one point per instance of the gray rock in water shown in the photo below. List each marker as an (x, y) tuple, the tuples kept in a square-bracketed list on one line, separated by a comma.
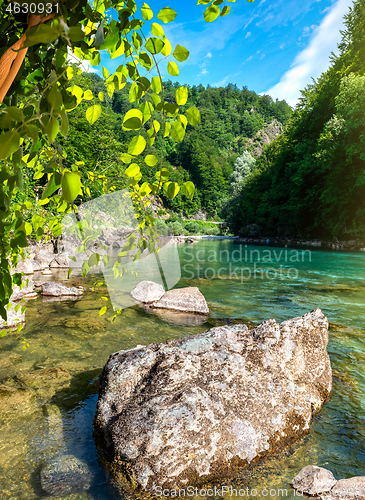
[(64, 475), (147, 291), (53, 289), (21, 293), (196, 408), (347, 489), (187, 299), (61, 260), (313, 480), (24, 266)]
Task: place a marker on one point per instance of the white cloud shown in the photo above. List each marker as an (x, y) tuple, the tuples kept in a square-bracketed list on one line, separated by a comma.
[(209, 55), (314, 59), (248, 34)]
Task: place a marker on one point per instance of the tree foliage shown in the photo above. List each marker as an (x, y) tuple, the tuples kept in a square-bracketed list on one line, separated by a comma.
[(310, 182), (38, 88)]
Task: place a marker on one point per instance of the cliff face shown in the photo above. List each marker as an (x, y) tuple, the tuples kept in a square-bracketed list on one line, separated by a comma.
[(264, 137)]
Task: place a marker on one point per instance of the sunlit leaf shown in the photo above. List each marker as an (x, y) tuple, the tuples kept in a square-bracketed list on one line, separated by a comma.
[(71, 184), (193, 115), (211, 13), (166, 15), (137, 145), (151, 160), (93, 113), (180, 53), (181, 96), (157, 30), (147, 13), (173, 68), (188, 189), (132, 170)]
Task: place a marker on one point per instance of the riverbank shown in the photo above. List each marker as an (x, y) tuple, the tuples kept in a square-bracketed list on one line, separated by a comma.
[(335, 244)]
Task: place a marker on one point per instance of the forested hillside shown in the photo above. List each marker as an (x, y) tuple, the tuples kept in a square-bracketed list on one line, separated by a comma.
[(311, 180), (229, 118)]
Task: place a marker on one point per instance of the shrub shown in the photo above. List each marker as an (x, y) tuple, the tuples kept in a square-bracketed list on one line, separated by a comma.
[(212, 231), (177, 228), (193, 227)]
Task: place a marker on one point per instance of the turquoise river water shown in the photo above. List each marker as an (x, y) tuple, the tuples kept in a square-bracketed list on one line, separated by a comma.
[(48, 393)]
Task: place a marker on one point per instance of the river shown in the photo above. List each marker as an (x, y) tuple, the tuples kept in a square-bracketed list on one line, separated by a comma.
[(48, 392)]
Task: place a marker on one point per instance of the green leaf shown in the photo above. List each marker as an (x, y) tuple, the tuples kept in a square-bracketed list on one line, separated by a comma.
[(171, 189), (137, 145), (180, 53), (64, 124), (156, 84), (105, 72), (173, 68), (211, 13), (9, 143), (151, 160), (133, 120), (88, 95), (15, 113), (42, 33), (157, 30), (177, 131), (132, 170), (162, 175), (154, 45), (71, 185), (93, 259), (147, 13), (181, 96), (75, 34), (102, 311), (126, 158), (93, 113), (32, 132), (226, 10), (167, 129), (52, 128), (166, 15), (53, 184), (55, 98), (146, 109), (166, 51), (188, 189), (101, 96), (69, 72), (193, 115)]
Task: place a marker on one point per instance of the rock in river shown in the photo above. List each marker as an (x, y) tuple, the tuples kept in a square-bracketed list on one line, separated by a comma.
[(188, 299), (53, 289), (65, 474), (197, 408), (147, 291)]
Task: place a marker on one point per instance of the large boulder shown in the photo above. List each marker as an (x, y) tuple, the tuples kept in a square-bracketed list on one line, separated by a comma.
[(147, 291), (188, 299), (196, 408)]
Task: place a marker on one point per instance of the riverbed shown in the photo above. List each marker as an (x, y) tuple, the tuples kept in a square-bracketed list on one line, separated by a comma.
[(48, 392)]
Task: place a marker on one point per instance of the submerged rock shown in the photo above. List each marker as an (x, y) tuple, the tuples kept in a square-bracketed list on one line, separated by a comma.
[(65, 474), (147, 291), (188, 299), (196, 408), (320, 483), (53, 289), (313, 480)]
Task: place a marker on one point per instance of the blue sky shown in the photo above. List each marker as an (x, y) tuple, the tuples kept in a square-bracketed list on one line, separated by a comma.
[(270, 47)]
